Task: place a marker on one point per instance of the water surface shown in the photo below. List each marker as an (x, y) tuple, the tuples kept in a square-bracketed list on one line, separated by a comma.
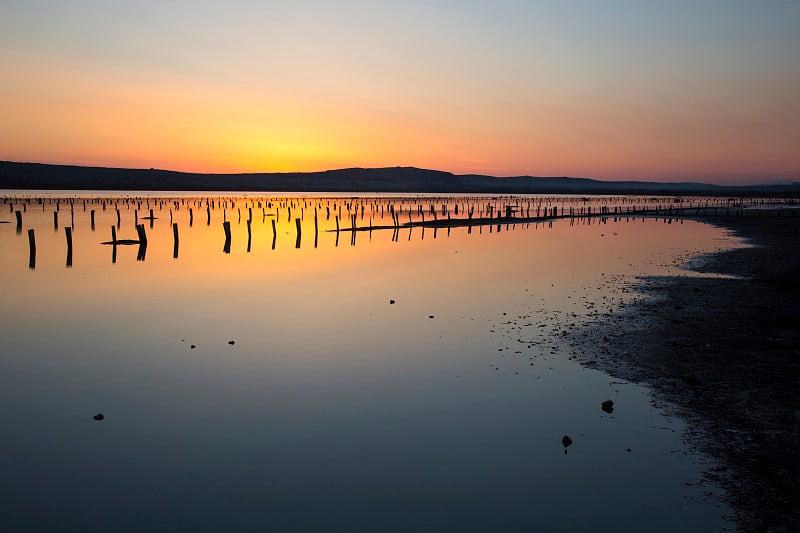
[(332, 408)]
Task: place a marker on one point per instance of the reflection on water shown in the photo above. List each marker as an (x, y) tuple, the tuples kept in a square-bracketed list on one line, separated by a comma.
[(259, 369), (402, 215)]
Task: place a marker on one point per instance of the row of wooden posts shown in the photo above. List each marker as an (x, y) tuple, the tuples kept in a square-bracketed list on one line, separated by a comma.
[(511, 212), (142, 236), (486, 206)]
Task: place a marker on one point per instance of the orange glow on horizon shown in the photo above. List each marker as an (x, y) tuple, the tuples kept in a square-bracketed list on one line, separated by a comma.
[(134, 118)]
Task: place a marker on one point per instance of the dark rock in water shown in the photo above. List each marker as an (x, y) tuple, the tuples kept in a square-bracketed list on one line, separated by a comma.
[(192, 347), (98, 416), (391, 302), (430, 316), (628, 450), (608, 406), (566, 441), (231, 342)]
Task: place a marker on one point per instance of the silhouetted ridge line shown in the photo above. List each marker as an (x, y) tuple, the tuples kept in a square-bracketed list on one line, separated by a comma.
[(14, 175)]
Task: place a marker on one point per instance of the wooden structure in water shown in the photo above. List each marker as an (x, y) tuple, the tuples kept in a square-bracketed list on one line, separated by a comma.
[(357, 214)]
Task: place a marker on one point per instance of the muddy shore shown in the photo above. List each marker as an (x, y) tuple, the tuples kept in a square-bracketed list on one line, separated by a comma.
[(724, 354)]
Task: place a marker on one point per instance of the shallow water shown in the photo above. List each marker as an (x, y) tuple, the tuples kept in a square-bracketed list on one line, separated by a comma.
[(333, 408)]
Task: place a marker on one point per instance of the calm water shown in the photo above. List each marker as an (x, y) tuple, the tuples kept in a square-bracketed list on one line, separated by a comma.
[(333, 409)]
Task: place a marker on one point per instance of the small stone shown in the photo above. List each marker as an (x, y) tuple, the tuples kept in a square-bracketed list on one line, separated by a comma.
[(628, 450), (98, 416), (192, 347), (391, 302), (231, 342), (430, 316), (608, 406), (566, 441)]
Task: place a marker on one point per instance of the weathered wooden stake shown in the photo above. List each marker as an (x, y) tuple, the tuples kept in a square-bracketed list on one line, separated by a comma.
[(19, 220), (68, 232), (299, 232), (175, 239), (91, 213), (227, 227), (249, 234), (142, 234), (32, 246)]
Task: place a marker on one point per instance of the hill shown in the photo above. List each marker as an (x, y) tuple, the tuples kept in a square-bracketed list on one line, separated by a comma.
[(14, 175)]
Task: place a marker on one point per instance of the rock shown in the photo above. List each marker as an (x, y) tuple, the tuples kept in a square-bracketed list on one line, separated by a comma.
[(608, 406), (391, 302), (430, 316), (98, 416), (566, 441), (231, 342), (192, 347)]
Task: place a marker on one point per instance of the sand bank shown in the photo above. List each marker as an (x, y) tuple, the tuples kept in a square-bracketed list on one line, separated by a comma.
[(724, 353)]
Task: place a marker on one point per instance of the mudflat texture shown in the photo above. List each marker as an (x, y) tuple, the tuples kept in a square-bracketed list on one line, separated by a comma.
[(724, 353)]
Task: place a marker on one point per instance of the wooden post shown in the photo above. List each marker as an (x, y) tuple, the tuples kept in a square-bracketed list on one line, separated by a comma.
[(227, 227), (91, 213), (55, 220), (142, 234), (249, 234), (32, 246), (175, 240), (299, 232), (113, 235), (68, 232), (140, 256), (19, 220)]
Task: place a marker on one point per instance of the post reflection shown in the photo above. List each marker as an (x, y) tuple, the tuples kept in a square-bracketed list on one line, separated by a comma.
[(460, 216)]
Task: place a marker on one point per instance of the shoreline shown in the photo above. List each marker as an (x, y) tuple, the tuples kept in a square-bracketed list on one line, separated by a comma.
[(723, 353)]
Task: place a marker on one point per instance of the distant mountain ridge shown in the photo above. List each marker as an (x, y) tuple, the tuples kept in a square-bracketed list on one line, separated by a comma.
[(14, 175)]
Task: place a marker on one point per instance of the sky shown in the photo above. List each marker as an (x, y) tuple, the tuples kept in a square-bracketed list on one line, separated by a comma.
[(700, 90)]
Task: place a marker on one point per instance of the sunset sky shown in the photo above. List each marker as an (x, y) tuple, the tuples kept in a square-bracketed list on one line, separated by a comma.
[(653, 90)]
